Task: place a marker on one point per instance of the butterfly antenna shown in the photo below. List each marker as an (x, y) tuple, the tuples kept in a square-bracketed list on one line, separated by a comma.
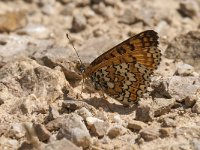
[(67, 35)]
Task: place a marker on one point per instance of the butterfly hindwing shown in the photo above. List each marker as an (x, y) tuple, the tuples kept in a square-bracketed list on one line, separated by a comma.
[(125, 82)]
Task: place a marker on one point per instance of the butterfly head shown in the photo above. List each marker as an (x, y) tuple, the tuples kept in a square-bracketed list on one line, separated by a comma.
[(82, 68)]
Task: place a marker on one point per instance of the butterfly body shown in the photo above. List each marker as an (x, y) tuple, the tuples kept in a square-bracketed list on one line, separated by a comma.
[(123, 72)]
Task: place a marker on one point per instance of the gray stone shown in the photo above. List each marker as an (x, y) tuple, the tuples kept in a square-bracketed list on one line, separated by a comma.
[(117, 119), (56, 57), (136, 125), (61, 144), (17, 46), (190, 100), (162, 106), (55, 124), (49, 8), (99, 128), (114, 131), (25, 145), (32, 141), (78, 23), (161, 27), (127, 18), (176, 86), (196, 107), (149, 134), (30, 104), (7, 143), (33, 85), (102, 115), (186, 48), (16, 130), (165, 132), (72, 105), (42, 133), (103, 10), (181, 87), (53, 114), (189, 8), (160, 89), (196, 144), (84, 113), (168, 122), (89, 13), (184, 70), (75, 130), (144, 113), (91, 120), (68, 9)]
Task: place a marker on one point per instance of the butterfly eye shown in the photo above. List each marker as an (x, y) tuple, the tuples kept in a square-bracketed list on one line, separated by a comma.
[(82, 68)]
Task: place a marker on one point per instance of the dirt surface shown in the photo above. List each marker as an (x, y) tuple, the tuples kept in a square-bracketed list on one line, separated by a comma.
[(41, 104)]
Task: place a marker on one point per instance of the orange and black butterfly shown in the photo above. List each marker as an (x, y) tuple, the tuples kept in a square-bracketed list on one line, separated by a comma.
[(123, 72)]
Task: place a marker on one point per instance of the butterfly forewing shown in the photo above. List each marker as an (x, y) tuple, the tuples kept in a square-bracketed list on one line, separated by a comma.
[(124, 71), (144, 39)]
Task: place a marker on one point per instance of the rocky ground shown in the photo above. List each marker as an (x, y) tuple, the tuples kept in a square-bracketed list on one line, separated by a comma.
[(41, 105)]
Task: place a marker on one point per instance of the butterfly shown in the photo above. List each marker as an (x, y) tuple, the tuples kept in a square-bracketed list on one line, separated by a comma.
[(124, 71)]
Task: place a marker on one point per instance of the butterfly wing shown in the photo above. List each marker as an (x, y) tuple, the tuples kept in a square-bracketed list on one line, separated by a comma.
[(123, 72), (144, 39), (124, 79), (142, 46)]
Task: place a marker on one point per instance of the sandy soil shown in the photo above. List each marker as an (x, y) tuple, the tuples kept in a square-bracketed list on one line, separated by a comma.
[(41, 104)]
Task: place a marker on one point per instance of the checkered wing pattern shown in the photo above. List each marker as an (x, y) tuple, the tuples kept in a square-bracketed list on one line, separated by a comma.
[(123, 72)]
